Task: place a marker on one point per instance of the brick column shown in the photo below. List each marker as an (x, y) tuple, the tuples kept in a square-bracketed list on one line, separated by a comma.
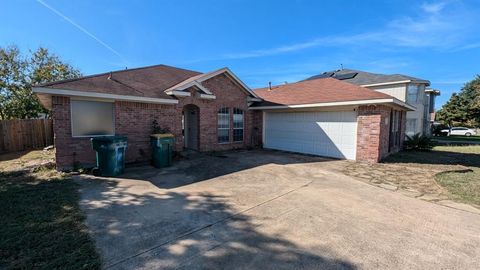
[(372, 132)]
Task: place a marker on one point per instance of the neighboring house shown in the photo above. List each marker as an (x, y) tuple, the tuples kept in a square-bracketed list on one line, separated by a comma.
[(405, 88), (430, 94), (217, 111), (329, 117)]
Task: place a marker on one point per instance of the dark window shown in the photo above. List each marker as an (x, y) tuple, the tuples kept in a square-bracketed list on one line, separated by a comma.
[(395, 128), (223, 125), (238, 125)]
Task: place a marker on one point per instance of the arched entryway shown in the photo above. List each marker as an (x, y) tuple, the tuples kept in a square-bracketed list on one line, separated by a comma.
[(191, 126)]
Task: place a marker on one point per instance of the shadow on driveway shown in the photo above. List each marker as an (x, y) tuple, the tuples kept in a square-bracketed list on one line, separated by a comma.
[(197, 167), (142, 227)]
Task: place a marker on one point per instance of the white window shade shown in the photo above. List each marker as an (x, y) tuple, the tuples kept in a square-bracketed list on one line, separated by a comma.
[(92, 118)]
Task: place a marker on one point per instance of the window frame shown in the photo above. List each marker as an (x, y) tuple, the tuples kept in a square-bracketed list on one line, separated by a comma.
[(236, 128), (414, 120), (91, 100), (417, 87), (227, 128)]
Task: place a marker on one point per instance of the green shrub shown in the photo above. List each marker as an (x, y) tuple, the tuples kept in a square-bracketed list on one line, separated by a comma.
[(418, 142)]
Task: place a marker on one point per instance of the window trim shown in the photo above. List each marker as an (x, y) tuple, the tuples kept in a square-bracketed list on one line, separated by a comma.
[(407, 126), (229, 126), (417, 86), (234, 128), (91, 100)]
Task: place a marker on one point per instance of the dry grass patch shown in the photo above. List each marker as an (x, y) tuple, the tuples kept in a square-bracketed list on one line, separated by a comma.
[(42, 224), (446, 172)]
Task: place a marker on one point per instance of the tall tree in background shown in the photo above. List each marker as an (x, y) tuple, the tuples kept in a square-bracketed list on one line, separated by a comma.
[(17, 75), (463, 108), (12, 79), (452, 112), (470, 96)]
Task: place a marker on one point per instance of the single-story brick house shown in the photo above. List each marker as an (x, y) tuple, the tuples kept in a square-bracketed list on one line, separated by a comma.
[(217, 111)]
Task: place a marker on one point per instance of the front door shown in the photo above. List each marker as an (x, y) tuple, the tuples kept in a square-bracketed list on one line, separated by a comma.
[(190, 128)]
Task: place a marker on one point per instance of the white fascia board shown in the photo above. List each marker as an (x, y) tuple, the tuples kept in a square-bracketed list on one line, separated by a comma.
[(190, 84), (339, 103), (433, 91), (182, 86), (206, 96), (396, 82), (71, 93), (252, 99), (403, 104), (385, 83), (178, 93), (227, 70)]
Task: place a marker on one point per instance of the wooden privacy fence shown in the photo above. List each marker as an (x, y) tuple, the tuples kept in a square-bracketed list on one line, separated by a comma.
[(25, 134)]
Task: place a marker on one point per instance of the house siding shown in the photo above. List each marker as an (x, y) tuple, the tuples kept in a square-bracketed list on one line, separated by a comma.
[(420, 114), (398, 91), (134, 120)]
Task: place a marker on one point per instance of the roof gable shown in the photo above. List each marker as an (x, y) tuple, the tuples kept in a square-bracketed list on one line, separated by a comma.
[(197, 82)]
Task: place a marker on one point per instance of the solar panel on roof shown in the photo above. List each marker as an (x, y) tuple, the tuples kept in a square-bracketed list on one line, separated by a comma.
[(324, 75), (345, 76)]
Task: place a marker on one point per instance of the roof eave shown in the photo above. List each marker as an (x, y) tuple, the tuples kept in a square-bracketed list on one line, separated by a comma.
[(43, 91), (389, 101), (427, 83)]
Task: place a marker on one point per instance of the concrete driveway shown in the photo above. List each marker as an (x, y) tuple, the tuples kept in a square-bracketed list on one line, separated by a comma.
[(269, 210)]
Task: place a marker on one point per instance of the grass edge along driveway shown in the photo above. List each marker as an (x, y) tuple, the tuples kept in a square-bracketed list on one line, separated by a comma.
[(446, 172), (42, 224)]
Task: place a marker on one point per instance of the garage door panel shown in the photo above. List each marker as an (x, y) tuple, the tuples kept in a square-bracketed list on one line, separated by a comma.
[(330, 134)]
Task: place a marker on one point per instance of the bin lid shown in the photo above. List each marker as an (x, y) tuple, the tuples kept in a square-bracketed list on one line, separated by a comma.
[(162, 135), (112, 138)]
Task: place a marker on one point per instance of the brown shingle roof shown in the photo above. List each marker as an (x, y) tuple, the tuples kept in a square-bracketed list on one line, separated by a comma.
[(149, 81), (316, 91)]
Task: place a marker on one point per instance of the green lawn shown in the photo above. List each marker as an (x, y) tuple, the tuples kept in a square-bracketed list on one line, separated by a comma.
[(440, 155), (462, 186), (458, 138), (42, 224)]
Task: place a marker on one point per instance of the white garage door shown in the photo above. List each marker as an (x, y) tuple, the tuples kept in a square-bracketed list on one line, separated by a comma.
[(330, 134)]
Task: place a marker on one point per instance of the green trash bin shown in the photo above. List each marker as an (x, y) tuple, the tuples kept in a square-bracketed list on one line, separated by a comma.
[(162, 149), (110, 154)]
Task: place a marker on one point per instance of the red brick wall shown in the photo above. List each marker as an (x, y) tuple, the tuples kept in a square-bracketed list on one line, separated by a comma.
[(373, 132), (69, 150), (135, 121), (228, 94)]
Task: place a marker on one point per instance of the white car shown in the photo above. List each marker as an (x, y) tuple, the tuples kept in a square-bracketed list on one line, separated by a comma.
[(463, 131)]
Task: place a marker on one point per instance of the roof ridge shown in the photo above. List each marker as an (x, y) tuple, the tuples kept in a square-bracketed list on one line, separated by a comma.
[(304, 81), (110, 72)]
